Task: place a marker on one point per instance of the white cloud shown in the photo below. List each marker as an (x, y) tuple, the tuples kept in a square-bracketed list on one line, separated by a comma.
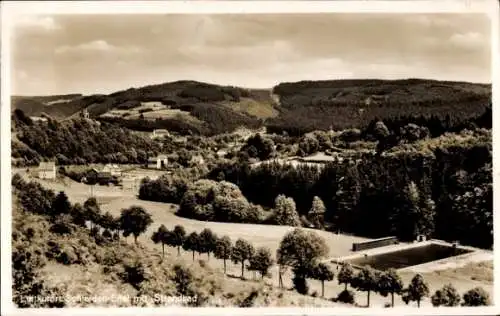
[(471, 40), (98, 45), (38, 22), (95, 46)]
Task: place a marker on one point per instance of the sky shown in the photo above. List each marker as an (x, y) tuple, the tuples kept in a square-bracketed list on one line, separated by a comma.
[(91, 54)]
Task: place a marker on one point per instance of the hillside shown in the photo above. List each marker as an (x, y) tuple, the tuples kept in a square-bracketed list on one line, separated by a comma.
[(340, 104), (181, 106), (60, 256), (207, 109)]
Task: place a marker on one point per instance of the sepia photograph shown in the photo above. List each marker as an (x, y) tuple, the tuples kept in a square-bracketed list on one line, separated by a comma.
[(172, 158)]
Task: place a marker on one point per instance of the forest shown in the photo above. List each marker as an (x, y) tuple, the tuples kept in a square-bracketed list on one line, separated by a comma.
[(445, 193), (77, 141)]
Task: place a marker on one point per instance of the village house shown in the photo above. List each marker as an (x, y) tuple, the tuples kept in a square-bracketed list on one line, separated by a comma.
[(318, 157), (159, 162), (38, 119), (85, 114), (47, 170), (113, 169), (160, 133)]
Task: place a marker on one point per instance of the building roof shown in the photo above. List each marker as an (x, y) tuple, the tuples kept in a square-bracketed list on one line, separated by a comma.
[(319, 157), (160, 131), (159, 157), (47, 165), (111, 166)]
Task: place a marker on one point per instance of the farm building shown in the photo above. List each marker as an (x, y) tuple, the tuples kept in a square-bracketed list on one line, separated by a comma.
[(85, 114), (159, 162), (47, 170), (160, 133), (38, 119), (94, 176), (113, 169), (318, 157)]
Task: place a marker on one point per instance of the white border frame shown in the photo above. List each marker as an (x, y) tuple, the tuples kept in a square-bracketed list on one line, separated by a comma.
[(12, 9)]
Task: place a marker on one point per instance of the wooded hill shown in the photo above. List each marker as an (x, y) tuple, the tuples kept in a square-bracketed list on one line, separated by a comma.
[(299, 107)]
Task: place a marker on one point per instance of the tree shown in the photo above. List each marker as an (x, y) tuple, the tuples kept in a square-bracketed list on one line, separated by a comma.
[(415, 214), (285, 212), (300, 250), (61, 204), (191, 243), (418, 289), (223, 249), (207, 241), (177, 237), (446, 296), (92, 210), (390, 282), (78, 214), (323, 273), (162, 235), (258, 146), (346, 274), (476, 297), (317, 212), (241, 252), (261, 261), (366, 281), (134, 220), (107, 221)]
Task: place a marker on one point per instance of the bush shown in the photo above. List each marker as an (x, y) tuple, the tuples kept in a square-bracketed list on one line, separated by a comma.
[(346, 296), (63, 225), (249, 301), (134, 273), (61, 253), (300, 284), (183, 278), (476, 297)]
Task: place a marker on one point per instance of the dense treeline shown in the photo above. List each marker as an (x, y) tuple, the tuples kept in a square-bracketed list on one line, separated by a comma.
[(180, 126), (221, 119), (447, 117), (405, 194), (79, 142), (212, 120), (341, 104)]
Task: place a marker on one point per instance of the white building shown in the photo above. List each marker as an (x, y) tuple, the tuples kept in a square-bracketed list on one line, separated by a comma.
[(160, 133), (85, 114), (38, 118), (159, 162), (47, 170), (113, 169)]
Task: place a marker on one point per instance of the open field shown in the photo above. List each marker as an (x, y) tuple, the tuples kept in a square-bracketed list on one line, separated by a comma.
[(113, 199)]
